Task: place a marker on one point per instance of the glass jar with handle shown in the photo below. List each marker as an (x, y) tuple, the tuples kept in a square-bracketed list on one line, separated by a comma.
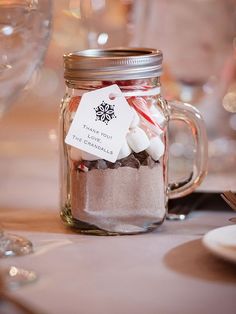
[(119, 184)]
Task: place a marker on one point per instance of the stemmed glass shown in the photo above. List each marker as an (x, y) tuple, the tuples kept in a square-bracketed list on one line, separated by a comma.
[(196, 38), (104, 23), (24, 35)]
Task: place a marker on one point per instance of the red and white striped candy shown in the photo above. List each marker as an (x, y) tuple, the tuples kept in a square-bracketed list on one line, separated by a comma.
[(83, 168)]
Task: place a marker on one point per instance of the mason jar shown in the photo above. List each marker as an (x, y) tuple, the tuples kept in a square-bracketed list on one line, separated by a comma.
[(128, 192)]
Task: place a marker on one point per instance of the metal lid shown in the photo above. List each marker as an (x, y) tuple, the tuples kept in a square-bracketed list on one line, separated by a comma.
[(113, 64)]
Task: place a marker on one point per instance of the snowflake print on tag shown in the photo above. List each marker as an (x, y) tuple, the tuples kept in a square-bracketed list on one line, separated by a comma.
[(105, 112)]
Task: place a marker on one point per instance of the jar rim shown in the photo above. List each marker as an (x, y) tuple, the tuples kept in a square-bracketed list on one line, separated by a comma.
[(113, 64)]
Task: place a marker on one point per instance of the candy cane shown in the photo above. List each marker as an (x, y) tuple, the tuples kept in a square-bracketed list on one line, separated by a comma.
[(73, 104), (140, 105), (83, 168)]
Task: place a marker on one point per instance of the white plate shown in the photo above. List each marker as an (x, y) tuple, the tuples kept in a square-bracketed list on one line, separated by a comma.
[(222, 242)]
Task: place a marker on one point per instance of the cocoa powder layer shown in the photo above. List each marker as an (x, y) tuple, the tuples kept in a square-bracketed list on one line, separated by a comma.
[(123, 200)]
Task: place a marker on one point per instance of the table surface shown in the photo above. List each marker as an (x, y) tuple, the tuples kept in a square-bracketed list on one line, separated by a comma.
[(166, 271)]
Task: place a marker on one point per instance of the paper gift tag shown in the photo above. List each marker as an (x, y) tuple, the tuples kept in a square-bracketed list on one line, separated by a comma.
[(101, 123)]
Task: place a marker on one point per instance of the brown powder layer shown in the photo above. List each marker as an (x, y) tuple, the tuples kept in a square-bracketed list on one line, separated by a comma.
[(123, 200)]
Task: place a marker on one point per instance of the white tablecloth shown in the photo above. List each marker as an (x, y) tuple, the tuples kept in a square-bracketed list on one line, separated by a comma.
[(165, 272)]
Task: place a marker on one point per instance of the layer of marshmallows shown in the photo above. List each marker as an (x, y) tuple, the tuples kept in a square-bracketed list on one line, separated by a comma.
[(142, 135)]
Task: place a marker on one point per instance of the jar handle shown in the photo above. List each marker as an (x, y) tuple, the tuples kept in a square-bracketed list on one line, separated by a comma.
[(190, 115)]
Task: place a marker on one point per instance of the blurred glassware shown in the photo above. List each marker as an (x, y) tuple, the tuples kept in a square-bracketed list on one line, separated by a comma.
[(196, 38), (9, 303), (11, 245), (16, 277), (106, 23), (229, 100), (24, 36)]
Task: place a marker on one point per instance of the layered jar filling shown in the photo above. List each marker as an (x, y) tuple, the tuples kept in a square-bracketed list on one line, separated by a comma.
[(128, 195)]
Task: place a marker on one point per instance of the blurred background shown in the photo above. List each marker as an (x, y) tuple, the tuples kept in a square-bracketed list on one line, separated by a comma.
[(197, 38)]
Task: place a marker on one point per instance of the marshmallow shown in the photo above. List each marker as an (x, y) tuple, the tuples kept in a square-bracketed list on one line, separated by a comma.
[(137, 140), (157, 115), (156, 148), (136, 120), (88, 156), (124, 151), (75, 154), (149, 129)]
